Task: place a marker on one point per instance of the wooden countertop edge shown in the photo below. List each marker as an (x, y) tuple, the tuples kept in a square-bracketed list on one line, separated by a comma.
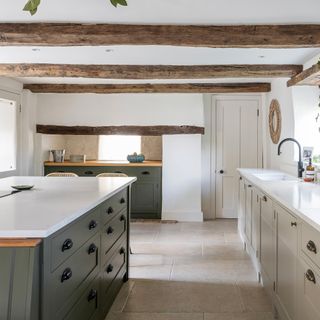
[(102, 164), (19, 243)]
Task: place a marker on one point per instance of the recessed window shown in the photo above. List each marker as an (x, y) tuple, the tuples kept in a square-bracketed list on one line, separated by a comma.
[(118, 147), (8, 135)]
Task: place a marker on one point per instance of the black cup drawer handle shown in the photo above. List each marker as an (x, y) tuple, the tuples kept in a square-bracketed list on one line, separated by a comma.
[(89, 172), (93, 224), (66, 275), (67, 245), (92, 249), (145, 173), (310, 276), (110, 230), (123, 218), (92, 295), (118, 172), (110, 210), (311, 246), (109, 268), (122, 200), (122, 251)]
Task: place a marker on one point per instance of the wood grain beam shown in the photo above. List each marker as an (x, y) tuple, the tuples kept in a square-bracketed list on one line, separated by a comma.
[(149, 71), (310, 76), (232, 36), (150, 88), (119, 130)]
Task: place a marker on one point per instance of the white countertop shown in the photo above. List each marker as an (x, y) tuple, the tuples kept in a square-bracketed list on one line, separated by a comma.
[(53, 203), (302, 198)]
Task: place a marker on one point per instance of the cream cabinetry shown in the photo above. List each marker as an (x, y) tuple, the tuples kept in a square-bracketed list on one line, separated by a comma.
[(286, 262), (267, 245), (285, 250)]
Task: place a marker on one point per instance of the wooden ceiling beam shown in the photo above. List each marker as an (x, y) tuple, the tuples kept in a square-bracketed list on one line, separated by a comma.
[(144, 72), (310, 77), (232, 36), (150, 88), (119, 130)]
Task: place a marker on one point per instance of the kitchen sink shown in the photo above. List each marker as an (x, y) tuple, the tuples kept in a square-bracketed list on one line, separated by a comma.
[(275, 177)]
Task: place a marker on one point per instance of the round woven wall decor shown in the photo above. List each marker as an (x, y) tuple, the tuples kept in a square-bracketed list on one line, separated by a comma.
[(275, 121)]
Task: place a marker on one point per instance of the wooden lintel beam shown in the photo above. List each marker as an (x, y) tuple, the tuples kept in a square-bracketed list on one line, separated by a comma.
[(232, 36), (119, 130), (149, 71), (150, 88)]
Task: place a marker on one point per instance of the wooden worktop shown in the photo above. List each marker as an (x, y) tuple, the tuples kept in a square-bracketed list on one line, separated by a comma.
[(104, 164)]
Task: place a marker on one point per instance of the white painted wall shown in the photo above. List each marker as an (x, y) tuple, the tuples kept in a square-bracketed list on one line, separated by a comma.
[(284, 162), (181, 153), (120, 109), (182, 178)]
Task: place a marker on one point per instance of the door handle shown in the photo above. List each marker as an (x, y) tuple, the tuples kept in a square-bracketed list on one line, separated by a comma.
[(221, 171)]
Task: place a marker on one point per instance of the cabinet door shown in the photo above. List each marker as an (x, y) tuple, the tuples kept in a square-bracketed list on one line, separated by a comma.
[(248, 213), (255, 240), (287, 242), (267, 254), (242, 206), (145, 199), (308, 292)]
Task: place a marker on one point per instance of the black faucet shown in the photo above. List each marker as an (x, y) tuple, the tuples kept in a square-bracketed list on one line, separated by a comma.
[(300, 163)]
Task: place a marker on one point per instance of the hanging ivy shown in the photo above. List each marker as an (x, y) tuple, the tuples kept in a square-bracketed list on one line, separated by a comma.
[(32, 5)]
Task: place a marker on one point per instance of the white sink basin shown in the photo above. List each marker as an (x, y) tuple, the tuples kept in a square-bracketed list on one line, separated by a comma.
[(275, 177)]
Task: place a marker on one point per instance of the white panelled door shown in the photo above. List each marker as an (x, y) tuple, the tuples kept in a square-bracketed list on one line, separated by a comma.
[(237, 146)]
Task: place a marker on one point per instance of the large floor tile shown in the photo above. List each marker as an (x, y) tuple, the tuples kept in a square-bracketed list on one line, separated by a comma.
[(168, 249), (239, 316), (231, 251), (155, 316), (161, 272), (147, 260), (254, 298), (207, 270), (182, 297)]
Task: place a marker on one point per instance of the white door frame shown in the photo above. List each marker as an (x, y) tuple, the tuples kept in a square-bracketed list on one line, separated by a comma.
[(210, 110), (17, 98)]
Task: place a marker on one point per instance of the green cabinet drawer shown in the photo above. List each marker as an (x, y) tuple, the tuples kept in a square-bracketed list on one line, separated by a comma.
[(111, 207), (145, 173), (67, 242), (109, 296), (111, 232), (115, 261), (73, 272), (87, 307)]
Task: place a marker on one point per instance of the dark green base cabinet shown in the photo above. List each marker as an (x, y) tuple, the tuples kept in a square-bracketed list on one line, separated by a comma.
[(74, 274), (146, 202)]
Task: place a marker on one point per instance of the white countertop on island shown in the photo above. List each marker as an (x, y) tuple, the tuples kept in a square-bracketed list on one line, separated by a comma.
[(302, 198), (53, 203)]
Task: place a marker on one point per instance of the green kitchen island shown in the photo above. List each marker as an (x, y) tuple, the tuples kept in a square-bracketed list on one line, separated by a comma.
[(63, 247)]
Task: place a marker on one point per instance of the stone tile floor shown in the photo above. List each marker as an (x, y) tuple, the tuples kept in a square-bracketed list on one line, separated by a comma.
[(190, 271)]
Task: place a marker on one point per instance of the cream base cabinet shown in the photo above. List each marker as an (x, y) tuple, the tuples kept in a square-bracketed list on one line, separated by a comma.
[(248, 213), (242, 207), (256, 221), (287, 247), (267, 245), (308, 292)]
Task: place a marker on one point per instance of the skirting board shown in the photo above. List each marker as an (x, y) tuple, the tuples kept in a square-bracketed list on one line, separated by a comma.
[(183, 216)]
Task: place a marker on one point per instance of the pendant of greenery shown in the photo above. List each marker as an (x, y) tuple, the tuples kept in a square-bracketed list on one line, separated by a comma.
[(32, 5)]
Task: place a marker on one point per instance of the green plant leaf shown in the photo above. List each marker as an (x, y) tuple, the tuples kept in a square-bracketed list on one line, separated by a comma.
[(115, 3), (32, 6)]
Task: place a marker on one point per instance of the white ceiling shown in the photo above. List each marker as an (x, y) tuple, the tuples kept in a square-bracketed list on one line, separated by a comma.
[(167, 11), (154, 55)]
